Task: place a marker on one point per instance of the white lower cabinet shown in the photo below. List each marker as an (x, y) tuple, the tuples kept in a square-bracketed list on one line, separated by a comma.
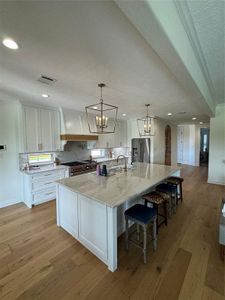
[(84, 219), (41, 187), (92, 218)]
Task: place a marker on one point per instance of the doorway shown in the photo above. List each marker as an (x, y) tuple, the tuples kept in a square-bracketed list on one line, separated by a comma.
[(204, 147), (168, 145)]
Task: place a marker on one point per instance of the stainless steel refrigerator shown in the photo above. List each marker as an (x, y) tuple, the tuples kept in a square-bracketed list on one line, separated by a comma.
[(140, 150)]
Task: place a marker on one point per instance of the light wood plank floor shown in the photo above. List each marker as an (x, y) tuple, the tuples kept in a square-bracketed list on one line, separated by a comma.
[(38, 260)]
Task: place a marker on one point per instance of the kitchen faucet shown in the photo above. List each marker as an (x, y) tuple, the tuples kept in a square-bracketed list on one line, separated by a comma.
[(123, 156)]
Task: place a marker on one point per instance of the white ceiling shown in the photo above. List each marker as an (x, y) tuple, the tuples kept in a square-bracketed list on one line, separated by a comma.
[(81, 44), (206, 23)]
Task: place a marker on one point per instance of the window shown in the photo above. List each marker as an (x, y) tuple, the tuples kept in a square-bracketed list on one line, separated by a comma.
[(40, 158), (96, 153)]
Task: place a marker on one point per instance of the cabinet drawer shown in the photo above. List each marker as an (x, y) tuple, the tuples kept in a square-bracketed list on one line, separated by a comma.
[(44, 196), (45, 184), (47, 175)]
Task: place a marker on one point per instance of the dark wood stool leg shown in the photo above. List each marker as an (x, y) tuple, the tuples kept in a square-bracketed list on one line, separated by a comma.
[(154, 234), (165, 211), (181, 192), (157, 221), (145, 243), (127, 235)]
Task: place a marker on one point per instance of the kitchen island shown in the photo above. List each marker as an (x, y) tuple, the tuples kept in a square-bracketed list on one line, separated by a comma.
[(91, 207)]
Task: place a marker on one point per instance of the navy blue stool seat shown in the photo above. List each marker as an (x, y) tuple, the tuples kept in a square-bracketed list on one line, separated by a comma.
[(169, 189), (141, 215)]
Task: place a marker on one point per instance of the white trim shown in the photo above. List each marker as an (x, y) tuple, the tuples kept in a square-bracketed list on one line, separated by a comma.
[(8, 202), (189, 27), (215, 182)]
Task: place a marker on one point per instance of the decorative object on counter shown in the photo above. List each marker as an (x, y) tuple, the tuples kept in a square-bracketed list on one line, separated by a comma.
[(104, 170), (98, 170), (145, 124), (105, 116)]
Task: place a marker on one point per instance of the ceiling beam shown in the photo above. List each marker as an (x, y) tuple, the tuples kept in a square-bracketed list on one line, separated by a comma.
[(160, 24)]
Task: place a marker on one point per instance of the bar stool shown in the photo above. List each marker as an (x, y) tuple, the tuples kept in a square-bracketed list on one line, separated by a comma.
[(158, 199), (171, 190), (176, 181), (141, 215)]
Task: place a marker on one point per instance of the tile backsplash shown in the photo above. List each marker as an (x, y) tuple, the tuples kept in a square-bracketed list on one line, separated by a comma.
[(77, 151), (74, 151)]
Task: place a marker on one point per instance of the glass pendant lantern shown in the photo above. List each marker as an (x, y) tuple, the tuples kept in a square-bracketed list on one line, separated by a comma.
[(146, 124), (101, 117)]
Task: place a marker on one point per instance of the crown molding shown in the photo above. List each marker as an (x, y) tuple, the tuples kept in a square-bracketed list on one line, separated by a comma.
[(189, 27)]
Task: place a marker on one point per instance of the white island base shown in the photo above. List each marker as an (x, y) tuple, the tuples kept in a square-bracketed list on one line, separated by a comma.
[(90, 222), (93, 221)]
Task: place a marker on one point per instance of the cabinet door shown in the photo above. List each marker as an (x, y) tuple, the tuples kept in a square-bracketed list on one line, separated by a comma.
[(31, 129), (46, 130), (55, 127)]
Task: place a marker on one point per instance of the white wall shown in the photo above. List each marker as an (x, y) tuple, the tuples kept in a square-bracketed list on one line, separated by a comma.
[(217, 147), (10, 177)]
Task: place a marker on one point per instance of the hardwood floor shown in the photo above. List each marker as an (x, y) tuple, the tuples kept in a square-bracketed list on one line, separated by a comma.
[(38, 260)]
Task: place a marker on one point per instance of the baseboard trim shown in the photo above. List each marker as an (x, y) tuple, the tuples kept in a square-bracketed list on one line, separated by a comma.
[(215, 182), (9, 202)]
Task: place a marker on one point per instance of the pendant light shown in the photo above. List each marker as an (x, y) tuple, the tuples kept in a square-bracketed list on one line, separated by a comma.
[(146, 124), (101, 117)]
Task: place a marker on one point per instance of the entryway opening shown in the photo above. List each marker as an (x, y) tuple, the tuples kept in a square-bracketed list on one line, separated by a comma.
[(204, 147)]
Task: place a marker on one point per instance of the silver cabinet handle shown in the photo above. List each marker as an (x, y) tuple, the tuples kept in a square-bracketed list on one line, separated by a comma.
[(49, 193)]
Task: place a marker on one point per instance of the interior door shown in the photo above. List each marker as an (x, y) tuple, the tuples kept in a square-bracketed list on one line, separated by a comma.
[(168, 145)]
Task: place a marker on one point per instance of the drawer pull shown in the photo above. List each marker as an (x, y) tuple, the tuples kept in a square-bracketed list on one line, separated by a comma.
[(49, 193), (48, 174), (48, 183)]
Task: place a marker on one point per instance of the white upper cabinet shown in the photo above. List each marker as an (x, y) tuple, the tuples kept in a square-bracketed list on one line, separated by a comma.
[(41, 129), (31, 129)]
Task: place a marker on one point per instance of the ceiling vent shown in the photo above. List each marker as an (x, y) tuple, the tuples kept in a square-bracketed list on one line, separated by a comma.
[(46, 80)]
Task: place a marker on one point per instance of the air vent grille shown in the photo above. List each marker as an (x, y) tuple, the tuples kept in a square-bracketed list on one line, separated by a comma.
[(46, 79)]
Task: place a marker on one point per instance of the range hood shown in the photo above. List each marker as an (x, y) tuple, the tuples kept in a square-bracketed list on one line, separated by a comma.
[(74, 127), (78, 137)]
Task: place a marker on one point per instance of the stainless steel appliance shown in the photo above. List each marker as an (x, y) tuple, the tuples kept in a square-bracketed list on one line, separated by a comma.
[(140, 150), (80, 167)]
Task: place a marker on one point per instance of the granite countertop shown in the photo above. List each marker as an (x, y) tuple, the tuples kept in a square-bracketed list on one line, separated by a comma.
[(117, 188), (44, 169)]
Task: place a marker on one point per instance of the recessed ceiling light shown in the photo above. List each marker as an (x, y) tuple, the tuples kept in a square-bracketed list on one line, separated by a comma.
[(200, 123), (169, 114), (45, 95), (11, 44), (95, 107), (194, 118), (124, 115)]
